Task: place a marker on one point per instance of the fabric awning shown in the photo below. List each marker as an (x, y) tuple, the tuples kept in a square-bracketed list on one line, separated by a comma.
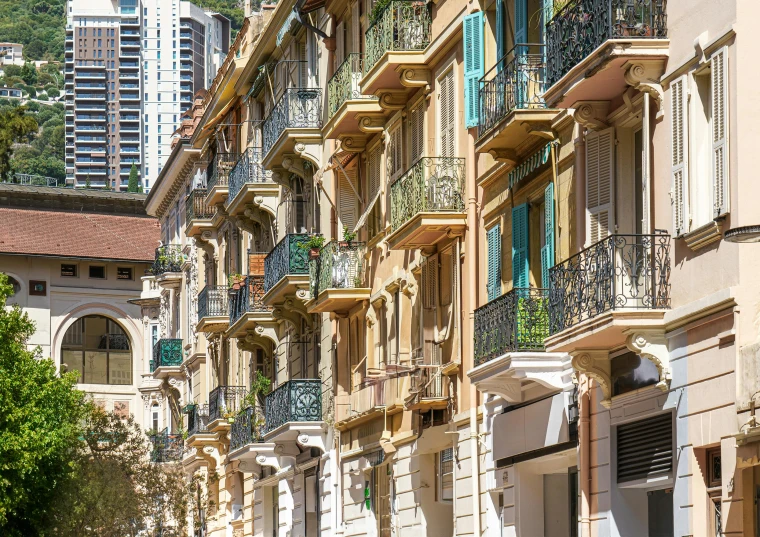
[(219, 116), (368, 210)]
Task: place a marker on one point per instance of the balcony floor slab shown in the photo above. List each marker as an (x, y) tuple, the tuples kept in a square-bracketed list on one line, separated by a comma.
[(514, 129), (338, 300), (264, 195), (347, 118), (286, 143), (288, 285), (424, 230), (216, 195), (213, 324), (248, 321), (384, 75)]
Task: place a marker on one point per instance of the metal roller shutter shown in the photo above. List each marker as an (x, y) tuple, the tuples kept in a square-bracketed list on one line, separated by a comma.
[(645, 448)]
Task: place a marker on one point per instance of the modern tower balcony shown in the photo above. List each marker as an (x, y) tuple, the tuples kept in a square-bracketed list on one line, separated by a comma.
[(250, 184), (337, 278), (427, 203), (596, 48), (296, 116), (349, 112), (129, 96), (198, 213), (213, 309), (286, 269), (394, 60)]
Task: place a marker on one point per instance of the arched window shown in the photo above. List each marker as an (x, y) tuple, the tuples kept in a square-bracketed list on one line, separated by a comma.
[(99, 350), (154, 416)]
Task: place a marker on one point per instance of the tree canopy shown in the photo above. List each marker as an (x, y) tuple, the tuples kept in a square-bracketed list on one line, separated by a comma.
[(16, 126)]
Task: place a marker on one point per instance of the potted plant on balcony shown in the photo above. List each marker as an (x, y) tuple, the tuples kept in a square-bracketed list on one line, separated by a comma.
[(235, 281), (348, 237), (260, 385), (313, 244)]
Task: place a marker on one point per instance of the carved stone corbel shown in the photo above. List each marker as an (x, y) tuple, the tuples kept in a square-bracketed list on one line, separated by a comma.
[(293, 164), (644, 75), (414, 77), (352, 143), (306, 440), (392, 100), (371, 123), (505, 155), (592, 114), (208, 243), (596, 365), (652, 345), (542, 130), (266, 330), (309, 150), (281, 176)]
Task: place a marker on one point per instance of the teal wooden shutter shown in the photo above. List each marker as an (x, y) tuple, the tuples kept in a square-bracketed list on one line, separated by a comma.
[(547, 251), (493, 237), (501, 31), (473, 66), (520, 278), (521, 21)]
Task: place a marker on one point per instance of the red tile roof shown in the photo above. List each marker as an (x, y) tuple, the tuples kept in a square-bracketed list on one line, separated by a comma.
[(78, 234)]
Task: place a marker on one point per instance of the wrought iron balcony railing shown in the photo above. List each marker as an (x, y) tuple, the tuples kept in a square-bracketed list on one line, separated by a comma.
[(294, 401), (219, 169), (247, 298), (402, 25), (287, 257), (213, 301), (195, 206), (248, 169), (583, 25), (197, 419), (619, 272), (516, 82), (298, 108), (249, 428), (344, 84), (169, 258), (166, 353), (340, 266), (225, 401), (516, 321), (167, 447), (432, 184)]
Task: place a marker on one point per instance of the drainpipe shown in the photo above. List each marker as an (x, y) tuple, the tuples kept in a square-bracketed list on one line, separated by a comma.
[(472, 294), (584, 431)]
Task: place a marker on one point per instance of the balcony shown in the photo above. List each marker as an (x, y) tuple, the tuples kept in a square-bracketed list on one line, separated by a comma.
[(213, 309), (286, 269), (198, 214), (249, 428), (294, 402), (395, 40), (167, 357), (429, 386), (166, 447), (385, 394), (246, 305), (427, 203), (346, 105), (218, 174), (337, 278), (512, 107), (618, 285), (593, 45), (197, 420), (296, 116), (249, 181), (167, 265), (224, 402)]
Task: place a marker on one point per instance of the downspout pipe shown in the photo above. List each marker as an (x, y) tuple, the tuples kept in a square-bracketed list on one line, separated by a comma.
[(584, 430)]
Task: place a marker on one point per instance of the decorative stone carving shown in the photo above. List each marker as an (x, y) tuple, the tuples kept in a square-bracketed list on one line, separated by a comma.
[(651, 344), (592, 114), (193, 275), (596, 365), (371, 123), (163, 316), (392, 100), (353, 143), (644, 75), (414, 77), (508, 156)]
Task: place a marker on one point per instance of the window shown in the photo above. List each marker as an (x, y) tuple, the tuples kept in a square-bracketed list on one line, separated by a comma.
[(447, 115), (154, 415), (123, 273), (395, 160), (97, 272), (445, 475), (99, 350), (631, 372), (69, 270)]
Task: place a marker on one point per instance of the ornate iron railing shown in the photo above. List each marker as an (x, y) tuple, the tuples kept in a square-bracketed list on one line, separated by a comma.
[(432, 184), (402, 25), (517, 81), (219, 168), (197, 419), (247, 170), (427, 380), (225, 401), (340, 265), (195, 206), (298, 108), (516, 321), (167, 353), (583, 25), (287, 257), (344, 84), (213, 301), (247, 298), (617, 273), (249, 427), (169, 258), (166, 447), (294, 401)]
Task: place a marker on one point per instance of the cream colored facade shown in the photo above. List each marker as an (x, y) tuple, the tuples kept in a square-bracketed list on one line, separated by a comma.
[(524, 306)]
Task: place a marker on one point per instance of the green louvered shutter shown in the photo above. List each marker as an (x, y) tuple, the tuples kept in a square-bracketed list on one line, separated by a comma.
[(501, 30), (547, 251), (520, 277), (473, 66), (521, 21), (494, 262)]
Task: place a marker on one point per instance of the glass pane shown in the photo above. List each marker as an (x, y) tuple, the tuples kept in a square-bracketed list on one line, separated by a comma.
[(95, 367), (120, 368), (73, 336), (73, 361), (95, 329), (631, 372)]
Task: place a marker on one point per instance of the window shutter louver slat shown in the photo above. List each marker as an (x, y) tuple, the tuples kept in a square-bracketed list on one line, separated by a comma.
[(521, 21), (417, 121), (473, 66), (339, 45), (719, 76), (645, 448), (303, 66), (547, 252), (347, 200), (447, 122), (430, 281), (374, 172), (494, 262), (520, 276), (599, 186), (679, 163)]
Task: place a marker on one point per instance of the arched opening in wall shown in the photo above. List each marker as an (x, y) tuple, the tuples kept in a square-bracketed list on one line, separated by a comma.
[(98, 349)]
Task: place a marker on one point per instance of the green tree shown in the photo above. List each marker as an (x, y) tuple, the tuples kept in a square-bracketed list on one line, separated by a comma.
[(87, 183), (29, 73), (12, 70), (134, 180), (40, 417), (15, 126)]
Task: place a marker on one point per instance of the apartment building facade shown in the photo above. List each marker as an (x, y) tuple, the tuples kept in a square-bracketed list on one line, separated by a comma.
[(366, 353), (11, 54), (112, 69)]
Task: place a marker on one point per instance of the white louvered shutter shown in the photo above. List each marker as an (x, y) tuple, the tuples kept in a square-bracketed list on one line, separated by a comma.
[(417, 131), (719, 104), (447, 119), (679, 170), (347, 202), (394, 153), (303, 67), (373, 169), (430, 282), (600, 166)]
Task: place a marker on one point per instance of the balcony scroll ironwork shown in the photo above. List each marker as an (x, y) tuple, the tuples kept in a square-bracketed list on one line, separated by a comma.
[(213, 301), (225, 402), (247, 170), (167, 447), (287, 257), (294, 401), (195, 206), (197, 419), (169, 258), (344, 84), (247, 298), (167, 353), (219, 168), (339, 266), (249, 428), (402, 25), (298, 108)]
